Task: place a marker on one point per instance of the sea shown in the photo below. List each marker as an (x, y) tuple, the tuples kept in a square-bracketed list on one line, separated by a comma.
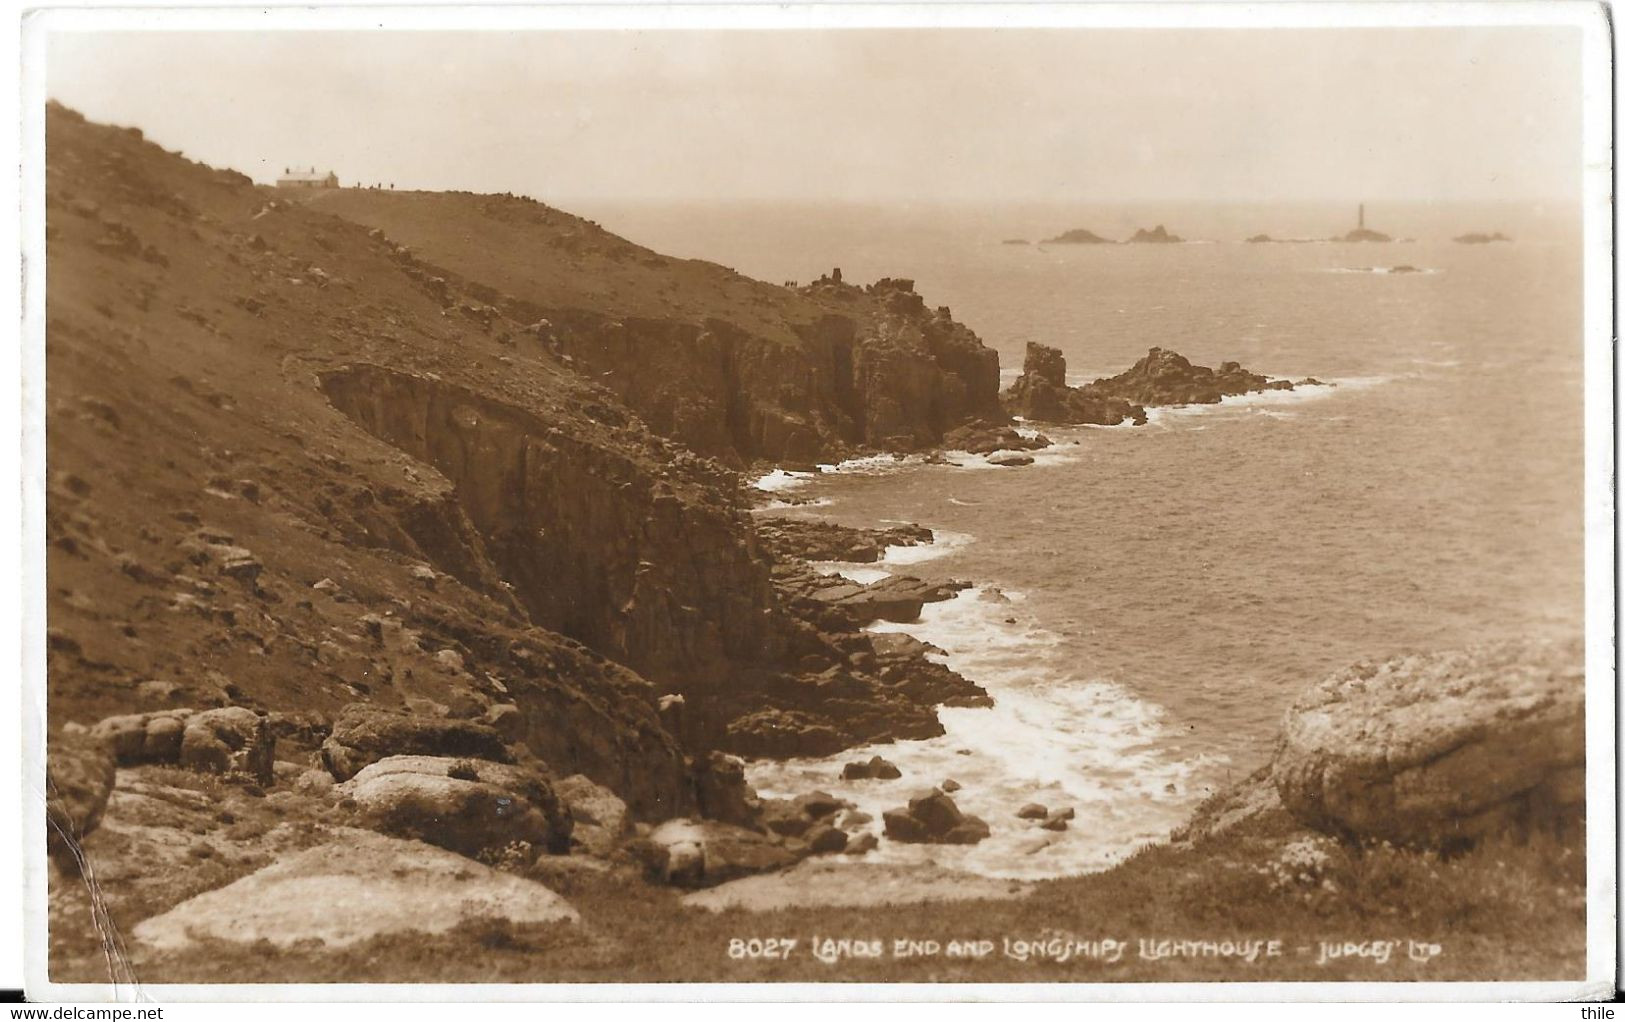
[(1148, 601)]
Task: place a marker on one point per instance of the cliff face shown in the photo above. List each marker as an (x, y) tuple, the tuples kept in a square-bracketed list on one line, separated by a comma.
[(729, 366), (592, 544), (293, 467)]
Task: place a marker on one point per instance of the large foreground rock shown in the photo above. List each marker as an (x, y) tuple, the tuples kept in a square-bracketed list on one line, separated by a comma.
[(358, 886), (465, 805), (226, 740), (230, 740), (136, 738), (365, 734), (1441, 748)]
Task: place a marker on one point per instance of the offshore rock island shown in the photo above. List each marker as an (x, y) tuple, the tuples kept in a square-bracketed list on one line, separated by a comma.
[(399, 548), (1041, 393), (1158, 235)]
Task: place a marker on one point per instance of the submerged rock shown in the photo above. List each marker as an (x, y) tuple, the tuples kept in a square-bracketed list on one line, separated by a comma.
[(1442, 748), (1010, 460)]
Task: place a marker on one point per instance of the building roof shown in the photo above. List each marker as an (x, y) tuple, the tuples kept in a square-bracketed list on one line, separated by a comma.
[(306, 175)]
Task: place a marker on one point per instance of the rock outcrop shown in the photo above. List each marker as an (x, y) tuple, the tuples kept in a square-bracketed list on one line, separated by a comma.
[(690, 853), (599, 819), (813, 539), (469, 806), (1041, 394), (1479, 238), (364, 734), (1165, 377), (1158, 235), (875, 768), (932, 817), (229, 740), (982, 437), (722, 793), (225, 740), (1440, 749)]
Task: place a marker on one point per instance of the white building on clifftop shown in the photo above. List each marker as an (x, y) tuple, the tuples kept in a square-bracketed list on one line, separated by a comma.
[(307, 179)]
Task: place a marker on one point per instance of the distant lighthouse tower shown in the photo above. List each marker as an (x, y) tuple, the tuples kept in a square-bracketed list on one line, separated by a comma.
[(1362, 216)]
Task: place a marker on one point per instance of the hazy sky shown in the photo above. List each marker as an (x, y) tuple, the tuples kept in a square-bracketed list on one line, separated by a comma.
[(1070, 115)]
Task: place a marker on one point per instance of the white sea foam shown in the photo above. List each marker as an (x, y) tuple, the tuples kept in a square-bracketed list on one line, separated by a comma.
[(873, 464), (1063, 451), (1167, 415), (1052, 737), (779, 480), (943, 542), (862, 574), (799, 505)]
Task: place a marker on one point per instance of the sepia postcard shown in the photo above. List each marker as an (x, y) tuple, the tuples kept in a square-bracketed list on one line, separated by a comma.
[(1014, 499)]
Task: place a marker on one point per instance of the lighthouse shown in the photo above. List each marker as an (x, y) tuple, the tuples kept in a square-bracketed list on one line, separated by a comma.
[(1362, 216)]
